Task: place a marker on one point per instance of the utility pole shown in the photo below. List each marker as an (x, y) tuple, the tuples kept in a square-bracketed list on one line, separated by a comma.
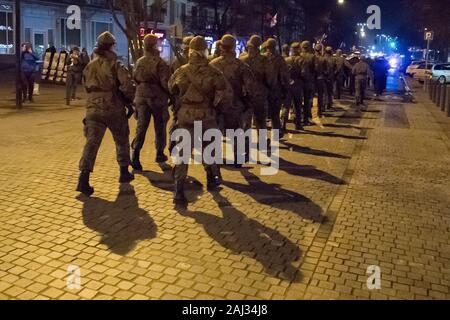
[(18, 48), (429, 35)]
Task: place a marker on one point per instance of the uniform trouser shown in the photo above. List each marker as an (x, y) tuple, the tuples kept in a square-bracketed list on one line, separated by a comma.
[(234, 121), (308, 92), (320, 89), (180, 171), (256, 115), (145, 110), (329, 92), (360, 93), (27, 79), (339, 83), (275, 102), (351, 85), (294, 100), (73, 78), (95, 125)]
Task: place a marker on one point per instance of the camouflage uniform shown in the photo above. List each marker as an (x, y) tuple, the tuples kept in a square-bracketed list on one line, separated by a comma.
[(307, 62), (184, 57), (180, 61), (321, 74), (259, 66), (278, 81), (199, 89), (151, 74), (339, 73), (329, 76), (241, 79), (361, 72), (295, 95), (109, 87)]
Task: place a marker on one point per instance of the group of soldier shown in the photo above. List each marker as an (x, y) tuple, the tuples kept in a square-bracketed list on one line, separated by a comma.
[(222, 91)]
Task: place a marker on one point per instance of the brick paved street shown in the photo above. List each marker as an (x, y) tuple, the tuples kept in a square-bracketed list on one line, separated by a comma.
[(362, 189)]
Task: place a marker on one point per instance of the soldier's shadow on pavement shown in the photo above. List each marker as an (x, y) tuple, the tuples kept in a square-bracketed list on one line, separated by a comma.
[(310, 151), (276, 196), (333, 135), (278, 255), (308, 171), (164, 181), (121, 223)]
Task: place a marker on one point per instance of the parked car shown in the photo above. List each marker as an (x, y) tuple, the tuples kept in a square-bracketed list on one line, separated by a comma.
[(410, 70), (441, 72), (420, 73)]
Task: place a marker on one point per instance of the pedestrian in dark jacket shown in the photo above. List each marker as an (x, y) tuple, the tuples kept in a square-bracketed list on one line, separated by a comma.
[(85, 59), (29, 63), (75, 68), (380, 70)]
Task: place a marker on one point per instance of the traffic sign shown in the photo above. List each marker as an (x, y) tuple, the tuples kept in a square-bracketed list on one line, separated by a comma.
[(429, 35)]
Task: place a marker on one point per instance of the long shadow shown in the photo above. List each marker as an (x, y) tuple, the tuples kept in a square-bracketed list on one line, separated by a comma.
[(344, 126), (332, 135), (277, 197), (310, 151), (308, 171), (164, 181), (244, 236), (121, 223)]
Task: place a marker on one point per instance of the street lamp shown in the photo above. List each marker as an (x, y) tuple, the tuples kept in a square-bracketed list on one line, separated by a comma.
[(341, 2)]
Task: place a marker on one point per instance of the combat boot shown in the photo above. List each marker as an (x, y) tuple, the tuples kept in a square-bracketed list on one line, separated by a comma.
[(83, 183), (178, 197), (161, 157), (135, 162), (125, 175), (212, 180)]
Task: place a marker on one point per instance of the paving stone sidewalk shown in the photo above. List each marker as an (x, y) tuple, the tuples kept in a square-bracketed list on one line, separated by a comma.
[(361, 189)]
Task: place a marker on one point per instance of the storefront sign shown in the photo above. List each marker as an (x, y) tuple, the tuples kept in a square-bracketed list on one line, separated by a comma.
[(159, 33)]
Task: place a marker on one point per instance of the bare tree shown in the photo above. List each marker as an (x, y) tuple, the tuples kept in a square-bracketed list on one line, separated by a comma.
[(137, 14)]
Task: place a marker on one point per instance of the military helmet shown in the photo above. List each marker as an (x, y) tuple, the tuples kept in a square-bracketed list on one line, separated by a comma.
[(295, 45), (150, 40), (106, 38), (318, 47), (306, 45), (338, 51), (198, 43), (228, 41), (255, 41), (329, 49), (271, 43), (187, 40)]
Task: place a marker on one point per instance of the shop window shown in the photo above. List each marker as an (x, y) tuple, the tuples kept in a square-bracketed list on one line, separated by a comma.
[(69, 37), (6, 33), (97, 28)]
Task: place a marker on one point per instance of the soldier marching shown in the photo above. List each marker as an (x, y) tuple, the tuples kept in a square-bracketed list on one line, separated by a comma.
[(219, 90)]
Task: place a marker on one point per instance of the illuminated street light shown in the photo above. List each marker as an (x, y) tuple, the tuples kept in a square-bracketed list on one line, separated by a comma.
[(341, 2)]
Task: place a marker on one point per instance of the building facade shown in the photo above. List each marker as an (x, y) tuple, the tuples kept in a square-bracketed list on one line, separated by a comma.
[(44, 23)]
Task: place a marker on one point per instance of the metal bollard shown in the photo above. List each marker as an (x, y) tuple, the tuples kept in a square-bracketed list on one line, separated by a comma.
[(430, 89), (447, 104), (433, 91), (425, 87), (443, 97), (438, 95)]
